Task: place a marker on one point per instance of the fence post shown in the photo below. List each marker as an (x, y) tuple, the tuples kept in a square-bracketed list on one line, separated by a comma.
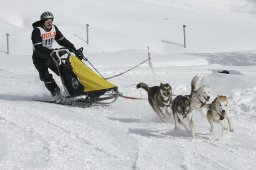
[(7, 38), (184, 33), (87, 33)]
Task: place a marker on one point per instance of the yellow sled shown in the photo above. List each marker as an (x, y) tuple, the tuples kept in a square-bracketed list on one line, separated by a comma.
[(83, 85)]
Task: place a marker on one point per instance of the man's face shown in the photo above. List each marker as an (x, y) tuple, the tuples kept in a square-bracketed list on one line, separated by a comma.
[(48, 24)]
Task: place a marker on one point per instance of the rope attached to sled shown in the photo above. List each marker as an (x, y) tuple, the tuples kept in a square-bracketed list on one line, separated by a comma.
[(133, 98), (127, 70), (150, 65), (149, 59)]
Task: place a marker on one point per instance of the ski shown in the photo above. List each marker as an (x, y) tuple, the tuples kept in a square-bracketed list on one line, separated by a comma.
[(74, 103)]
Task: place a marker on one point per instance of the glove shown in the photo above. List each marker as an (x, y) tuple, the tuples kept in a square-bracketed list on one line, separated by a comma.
[(72, 49), (55, 57), (79, 54)]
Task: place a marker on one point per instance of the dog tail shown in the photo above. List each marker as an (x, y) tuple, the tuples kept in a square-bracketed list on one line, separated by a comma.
[(143, 85), (193, 84)]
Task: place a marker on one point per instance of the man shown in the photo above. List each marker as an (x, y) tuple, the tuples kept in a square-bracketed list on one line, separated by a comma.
[(43, 35)]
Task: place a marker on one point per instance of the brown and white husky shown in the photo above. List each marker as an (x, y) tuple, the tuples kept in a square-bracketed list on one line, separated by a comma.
[(219, 113)]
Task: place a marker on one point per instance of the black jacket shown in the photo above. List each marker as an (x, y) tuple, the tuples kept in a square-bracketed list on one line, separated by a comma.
[(44, 52)]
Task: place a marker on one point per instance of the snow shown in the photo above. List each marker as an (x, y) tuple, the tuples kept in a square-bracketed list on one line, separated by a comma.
[(128, 134)]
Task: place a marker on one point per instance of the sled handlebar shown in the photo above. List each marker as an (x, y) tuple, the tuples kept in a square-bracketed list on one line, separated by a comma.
[(78, 52)]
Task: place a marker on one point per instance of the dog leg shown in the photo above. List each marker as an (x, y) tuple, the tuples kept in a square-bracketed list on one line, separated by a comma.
[(175, 116), (182, 122), (163, 119), (222, 123), (191, 124), (161, 116), (169, 110), (231, 129), (211, 126), (210, 120), (158, 112), (163, 112), (203, 112), (224, 127)]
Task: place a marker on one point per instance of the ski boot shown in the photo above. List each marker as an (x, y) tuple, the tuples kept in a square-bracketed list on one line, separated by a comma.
[(56, 96)]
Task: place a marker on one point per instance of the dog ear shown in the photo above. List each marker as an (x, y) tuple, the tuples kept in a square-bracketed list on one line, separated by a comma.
[(167, 86)]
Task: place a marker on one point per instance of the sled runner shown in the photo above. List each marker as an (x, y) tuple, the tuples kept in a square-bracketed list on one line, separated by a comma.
[(82, 85)]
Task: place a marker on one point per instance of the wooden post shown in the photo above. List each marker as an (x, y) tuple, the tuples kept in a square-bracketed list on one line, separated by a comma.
[(184, 33), (7, 38), (87, 33)]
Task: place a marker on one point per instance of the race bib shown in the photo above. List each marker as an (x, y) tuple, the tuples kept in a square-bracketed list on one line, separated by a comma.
[(48, 37)]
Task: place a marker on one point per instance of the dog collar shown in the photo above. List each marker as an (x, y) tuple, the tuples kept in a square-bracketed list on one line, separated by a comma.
[(221, 116), (202, 103)]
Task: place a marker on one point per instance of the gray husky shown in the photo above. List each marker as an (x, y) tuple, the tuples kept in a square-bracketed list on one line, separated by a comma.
[(160, 99), (181, 110), (184, 105)]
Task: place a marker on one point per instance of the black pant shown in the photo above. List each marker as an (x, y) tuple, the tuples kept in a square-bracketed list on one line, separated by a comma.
[(42, 65)]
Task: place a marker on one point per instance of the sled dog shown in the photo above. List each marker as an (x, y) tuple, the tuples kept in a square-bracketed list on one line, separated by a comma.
[(183, 106), (219, 112), (160, 99), (199, 97), (181, 110)]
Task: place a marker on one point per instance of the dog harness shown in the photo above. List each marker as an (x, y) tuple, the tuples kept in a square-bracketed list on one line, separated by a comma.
[(221, 116), (202, 103), (166, 101)]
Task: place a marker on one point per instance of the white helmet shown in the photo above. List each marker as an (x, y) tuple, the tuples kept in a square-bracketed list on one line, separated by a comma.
[(46, 15)]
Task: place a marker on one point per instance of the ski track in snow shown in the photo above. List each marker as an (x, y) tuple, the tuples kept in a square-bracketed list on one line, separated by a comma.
[(66, 142)]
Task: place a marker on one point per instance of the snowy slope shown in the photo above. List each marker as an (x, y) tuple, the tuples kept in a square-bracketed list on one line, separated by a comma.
[(212, 25), (128, 134)]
